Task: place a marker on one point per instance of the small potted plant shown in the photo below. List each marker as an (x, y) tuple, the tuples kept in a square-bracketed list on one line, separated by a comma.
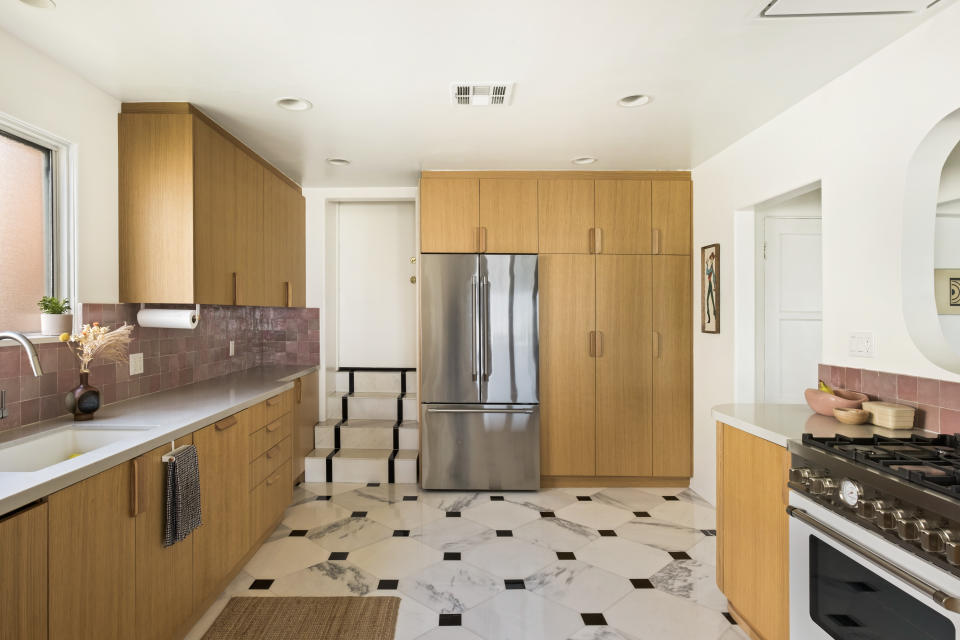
[(55, 316)]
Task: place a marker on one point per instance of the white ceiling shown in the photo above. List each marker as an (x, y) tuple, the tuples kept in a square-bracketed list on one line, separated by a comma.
[(378, 73)]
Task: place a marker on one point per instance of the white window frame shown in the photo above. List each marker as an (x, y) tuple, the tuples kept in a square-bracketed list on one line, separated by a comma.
[(63, 191)]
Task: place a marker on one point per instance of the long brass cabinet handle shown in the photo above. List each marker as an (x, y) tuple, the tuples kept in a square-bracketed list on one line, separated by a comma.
[(657, 350), (599, 347), (135, 488), (236, 296), (656, 241), (298, 384), (483, 239), (226, 423), (274, 401), (289, 294), (272, 452), (598, 240), (592, 340), (273, 426), (270, 481), (592, 239)]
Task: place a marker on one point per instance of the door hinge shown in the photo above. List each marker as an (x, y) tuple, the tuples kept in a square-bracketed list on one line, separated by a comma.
[(764, 249)]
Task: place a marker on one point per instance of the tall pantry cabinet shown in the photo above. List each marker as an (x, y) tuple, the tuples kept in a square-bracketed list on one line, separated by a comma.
[(615, 312)]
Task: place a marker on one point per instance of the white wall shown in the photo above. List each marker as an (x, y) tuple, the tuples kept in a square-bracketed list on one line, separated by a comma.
[(856, 136), (36, 90)]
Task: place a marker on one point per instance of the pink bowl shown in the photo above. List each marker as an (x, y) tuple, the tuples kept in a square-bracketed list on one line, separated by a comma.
[(824, 403)]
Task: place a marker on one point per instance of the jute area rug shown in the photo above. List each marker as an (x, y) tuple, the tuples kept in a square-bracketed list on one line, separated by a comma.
[(347, 618)]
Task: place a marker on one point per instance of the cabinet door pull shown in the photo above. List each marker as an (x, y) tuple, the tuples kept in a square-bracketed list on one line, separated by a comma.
[(599, 347), (236, 296), (598, 240), (135, 488), (274, 401), (656, 241), (270, 481), (593, 344), (593, 239), (656, 344), (289, 294), (298, 385), (272, 452), (273, 426), (483, 239), (226, 423)]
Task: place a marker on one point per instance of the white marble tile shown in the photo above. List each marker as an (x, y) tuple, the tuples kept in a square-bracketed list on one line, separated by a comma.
[(600, 633), (689, 495), (330, 578), (282, 531), (360, 469), (395, 558), (547, 500), (369, 498), (285, 556), (557, 534), (413, 619), (349, 534), (324, 437), (331, 488), (315, 513), (624, 558), (691, 580), (509, 557), (453, 534), (405, 515), (454, 500), (660, 534), (595, 515), (579, 586), (449, 633), (409, 436), (451, 587), (650, 614), (687, 514), (405, 470), (521, 615), (501, 515), (579, 491), (734, 633), (629, 498), (705, 551), (201, 626)]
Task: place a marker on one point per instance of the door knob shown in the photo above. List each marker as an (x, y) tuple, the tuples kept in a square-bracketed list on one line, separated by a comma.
[(413, 259), (413, 279)]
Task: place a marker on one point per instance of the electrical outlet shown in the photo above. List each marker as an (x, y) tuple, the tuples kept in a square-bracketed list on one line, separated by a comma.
[(136, 363), (862, 345), (232, 350)]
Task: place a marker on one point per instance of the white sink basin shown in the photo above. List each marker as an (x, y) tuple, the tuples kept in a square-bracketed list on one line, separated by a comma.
[(45, 450)]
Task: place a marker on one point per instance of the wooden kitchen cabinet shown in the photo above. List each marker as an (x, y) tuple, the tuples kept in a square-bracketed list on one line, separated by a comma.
[(565, 215), (216, 257), (23, 574), (508, 215), (624, 367), (568, 374), (752, 531), (449, 215), (164, 575), (284, 244), (222, 541), (250, 276), (92, 572), (623, 211), (672, 216), (306, 414)]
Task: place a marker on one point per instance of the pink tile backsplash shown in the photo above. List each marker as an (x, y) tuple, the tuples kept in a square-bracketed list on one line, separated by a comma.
[(937, 401), (171, 357)]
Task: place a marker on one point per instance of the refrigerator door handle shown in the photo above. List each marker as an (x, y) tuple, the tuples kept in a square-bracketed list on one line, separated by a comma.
[(484, 338), (473, 328), (430, 410)]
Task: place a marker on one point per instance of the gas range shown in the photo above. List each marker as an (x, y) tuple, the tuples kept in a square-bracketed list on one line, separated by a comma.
[(905, 489)]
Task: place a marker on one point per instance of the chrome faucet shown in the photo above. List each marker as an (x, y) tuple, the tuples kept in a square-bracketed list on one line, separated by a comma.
[(27, 346)]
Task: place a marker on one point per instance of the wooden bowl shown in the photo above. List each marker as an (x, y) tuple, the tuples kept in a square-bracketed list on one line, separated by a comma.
[(824, 403), (851, 416)]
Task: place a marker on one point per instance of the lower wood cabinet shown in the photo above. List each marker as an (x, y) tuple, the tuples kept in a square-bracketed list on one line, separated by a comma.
[(23, 574), (752, 531), (92, 558), (306, 413), (269, 499)]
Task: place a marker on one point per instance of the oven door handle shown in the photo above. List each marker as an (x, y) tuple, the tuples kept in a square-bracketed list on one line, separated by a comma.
[(945, 600)]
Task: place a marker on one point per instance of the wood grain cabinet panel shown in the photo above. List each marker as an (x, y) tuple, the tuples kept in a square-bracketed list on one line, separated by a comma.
[(672, 202), (284, 244), (623, 216), (306, 414), (508, 215), (567, 369), (216, 258), (624, 369), (672, 366), (450, 215), (23, 574), (250, 278), (164, 575), (565, 215), (752, 530), (92, 559)]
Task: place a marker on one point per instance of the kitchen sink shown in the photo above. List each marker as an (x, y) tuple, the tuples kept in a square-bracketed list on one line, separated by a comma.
[(45, 450)]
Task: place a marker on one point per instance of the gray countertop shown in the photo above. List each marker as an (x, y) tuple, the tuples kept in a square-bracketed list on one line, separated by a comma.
[(779, 423), (161, 417)]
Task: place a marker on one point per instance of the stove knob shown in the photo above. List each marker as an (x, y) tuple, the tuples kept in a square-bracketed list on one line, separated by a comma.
[(937, 541), (887, 518), (870, 509), (826, 487), (951, 551), (910, 528), (801, 475)]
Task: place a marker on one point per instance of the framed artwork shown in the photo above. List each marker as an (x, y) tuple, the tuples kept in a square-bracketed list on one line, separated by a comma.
[(946, 284), (710, 288)]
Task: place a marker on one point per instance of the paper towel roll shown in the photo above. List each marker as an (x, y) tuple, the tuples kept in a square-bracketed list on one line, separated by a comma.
[(168, 318)]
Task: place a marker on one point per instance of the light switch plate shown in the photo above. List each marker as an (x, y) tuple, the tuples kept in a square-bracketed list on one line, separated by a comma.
[(136, 363), (862, 344), (232, 350)]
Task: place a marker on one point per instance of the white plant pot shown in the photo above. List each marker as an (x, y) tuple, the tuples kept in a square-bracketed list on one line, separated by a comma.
[(53, 324)]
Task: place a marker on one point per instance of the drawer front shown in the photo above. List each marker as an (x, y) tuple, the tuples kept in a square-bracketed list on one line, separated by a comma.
[(270, 461), (277, 406), (269, 499), (270, 435)]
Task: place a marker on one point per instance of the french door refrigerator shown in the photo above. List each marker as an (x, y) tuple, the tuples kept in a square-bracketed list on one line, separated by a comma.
[(479, 383)]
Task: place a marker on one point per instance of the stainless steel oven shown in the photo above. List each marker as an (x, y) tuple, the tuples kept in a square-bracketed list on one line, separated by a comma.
[(849, 583)]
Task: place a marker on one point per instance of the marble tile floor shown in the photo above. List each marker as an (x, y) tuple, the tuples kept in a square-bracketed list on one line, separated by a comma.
[(578, 564)]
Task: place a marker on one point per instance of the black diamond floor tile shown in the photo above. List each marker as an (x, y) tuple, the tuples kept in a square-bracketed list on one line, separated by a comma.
[(358, 514), (401, 533), (373, 484), (261, 583), (453, 514), (709, 532), (323, 497), (514, 584), (451, 555), (584, 498), (641, 583), (593, 619), (496, 498), (726, 614), (450, 620), (388, 585), (671, 498), (641, 514), (547, 514), (566, 555), (504, 533), (679, 555), (607, 533), (410, 498), (339, 555), (298, 533)]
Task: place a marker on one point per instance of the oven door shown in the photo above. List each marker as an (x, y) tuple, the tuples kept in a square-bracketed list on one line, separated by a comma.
[(848, 583)]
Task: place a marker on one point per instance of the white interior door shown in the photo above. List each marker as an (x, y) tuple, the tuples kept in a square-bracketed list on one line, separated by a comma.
[(793, 307), (377, 322)]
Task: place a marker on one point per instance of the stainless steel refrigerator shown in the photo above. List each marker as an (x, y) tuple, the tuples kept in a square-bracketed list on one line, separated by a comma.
[(479, 381)]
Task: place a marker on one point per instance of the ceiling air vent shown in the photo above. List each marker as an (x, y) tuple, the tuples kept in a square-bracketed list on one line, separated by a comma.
[(822, 8), (481, 94)]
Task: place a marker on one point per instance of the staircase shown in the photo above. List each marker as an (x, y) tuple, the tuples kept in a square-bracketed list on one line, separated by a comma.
[(372, 433)]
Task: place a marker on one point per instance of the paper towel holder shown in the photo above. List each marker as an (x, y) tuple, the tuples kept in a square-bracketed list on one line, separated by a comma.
[(196, 311)]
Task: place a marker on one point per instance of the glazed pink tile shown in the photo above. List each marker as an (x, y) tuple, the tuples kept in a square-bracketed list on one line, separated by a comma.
[(870, 382), (48, 384), (12, 421), (887, 386), (950, 394), (51, 407), (30, 411), (907, 388), (928, 391), (823, 372), (49, 358), (949, 421), (851, 378)]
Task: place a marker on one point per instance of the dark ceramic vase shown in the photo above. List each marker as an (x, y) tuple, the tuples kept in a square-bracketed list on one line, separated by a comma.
[(83, 401)]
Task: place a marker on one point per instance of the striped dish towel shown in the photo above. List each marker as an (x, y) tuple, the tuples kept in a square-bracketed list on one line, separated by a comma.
[(183, 495)]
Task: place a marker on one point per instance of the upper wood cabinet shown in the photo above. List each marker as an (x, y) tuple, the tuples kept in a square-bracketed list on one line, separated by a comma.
[(508, 215), (566, 216), (23, 574), (202, 218), (672, 213), (449, 215), (623, 211)]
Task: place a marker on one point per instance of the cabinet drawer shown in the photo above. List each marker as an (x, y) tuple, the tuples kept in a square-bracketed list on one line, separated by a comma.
[(270, 435), (269, 499), (270, 461), (277, 406)]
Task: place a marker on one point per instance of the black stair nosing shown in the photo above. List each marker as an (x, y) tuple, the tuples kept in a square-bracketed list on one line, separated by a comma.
[(376, 369), (329, 464), (392, 468)]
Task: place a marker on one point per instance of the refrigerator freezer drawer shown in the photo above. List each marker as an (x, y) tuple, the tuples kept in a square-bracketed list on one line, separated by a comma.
[(481, 447)]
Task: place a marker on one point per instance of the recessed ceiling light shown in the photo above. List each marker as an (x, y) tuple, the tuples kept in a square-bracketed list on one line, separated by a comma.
[(584, 160), (338, 162), (41, 4), (294, 104), (635, 100)]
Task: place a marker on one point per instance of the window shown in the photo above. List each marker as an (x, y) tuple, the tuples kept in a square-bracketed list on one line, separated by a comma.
[(35, 234)]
